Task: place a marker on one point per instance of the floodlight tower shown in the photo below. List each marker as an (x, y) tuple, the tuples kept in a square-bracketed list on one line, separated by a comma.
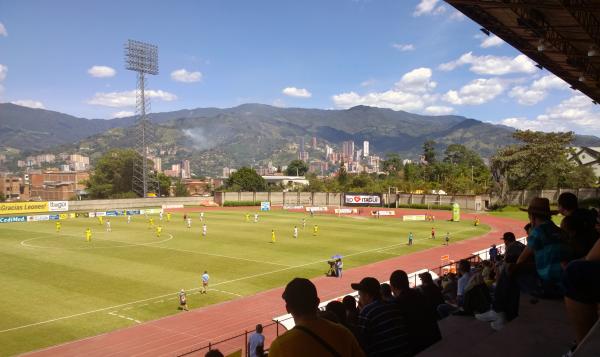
[(142, 58)]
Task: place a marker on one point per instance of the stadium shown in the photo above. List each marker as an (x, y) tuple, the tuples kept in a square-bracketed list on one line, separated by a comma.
[(354, 255)]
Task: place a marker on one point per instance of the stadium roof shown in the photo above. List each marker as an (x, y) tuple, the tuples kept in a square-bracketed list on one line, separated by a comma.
[(562, 36)]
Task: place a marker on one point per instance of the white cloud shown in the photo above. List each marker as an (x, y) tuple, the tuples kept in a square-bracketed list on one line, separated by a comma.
[(413, 92), (418, 80), (425, 7), (3, 31), (3, 72), (127, 98), (404, 47), (296, 92), (577, 113), (102, 71), (182, 75), (491, 41), (476, 92), (457, 16), (492, 65), (439, 110), (29, 103), (368, 83), (538, 90), (123, 114)]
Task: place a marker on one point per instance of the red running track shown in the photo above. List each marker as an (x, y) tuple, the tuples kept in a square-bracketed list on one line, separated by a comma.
[(174, 335)]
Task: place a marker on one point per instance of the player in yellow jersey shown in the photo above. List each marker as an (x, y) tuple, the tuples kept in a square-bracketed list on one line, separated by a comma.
[(158, 231), (273, 240), (315, 230), (168, 216), (88, 234), (100, 220), (151, 221), (247, 217), (58, 226)]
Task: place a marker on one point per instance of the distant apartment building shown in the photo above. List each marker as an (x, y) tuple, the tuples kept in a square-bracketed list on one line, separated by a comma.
[(373, 161), (14, 188), (57, 185), (157, 163), (586, 156), (303, 155), (186, 172), (228, 171), (175, 171), (365, 150), (348, 150), (197, 187), (318, 167), (328, 150), (314, 143)]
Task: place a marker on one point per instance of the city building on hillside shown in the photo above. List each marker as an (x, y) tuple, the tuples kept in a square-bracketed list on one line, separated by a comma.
[(328, 150), (365, 149), (586, 156), (14, 188), (186, 172), (57, 185), (286, 181), (198, 187), (314, 143), (318, 167), (228, 171), (303, 155), (348, 150)]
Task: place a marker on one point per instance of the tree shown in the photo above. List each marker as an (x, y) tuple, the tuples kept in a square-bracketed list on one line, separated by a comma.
[(296, 168), (246, 179), (342, 175), (164, 183), (392, 164), (429, 151), (180, 189), (113, 174), (539, 162)]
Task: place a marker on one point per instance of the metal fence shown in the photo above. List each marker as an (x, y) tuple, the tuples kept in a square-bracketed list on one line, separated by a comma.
[(235, 343), (239, 343)]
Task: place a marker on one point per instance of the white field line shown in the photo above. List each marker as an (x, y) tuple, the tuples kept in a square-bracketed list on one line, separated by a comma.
[(125, 244), (124, 317), (191, 290), (149, 245), (226, 292)]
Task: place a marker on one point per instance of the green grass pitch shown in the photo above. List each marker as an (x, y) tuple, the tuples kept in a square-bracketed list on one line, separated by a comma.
[(56, 287)]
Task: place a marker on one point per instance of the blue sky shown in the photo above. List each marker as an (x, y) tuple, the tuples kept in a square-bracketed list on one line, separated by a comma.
[(415, 55)]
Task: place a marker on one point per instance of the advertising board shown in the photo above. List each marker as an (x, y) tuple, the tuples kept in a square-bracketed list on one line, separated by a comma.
[(383, 213), (414, 217), (265, 206), (317, 209), (346, 210), (38, 218), (58, 206), (13, 219), (359, 199)]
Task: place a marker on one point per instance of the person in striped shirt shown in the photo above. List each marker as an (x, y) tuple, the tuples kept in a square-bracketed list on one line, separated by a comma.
[(382, 329)]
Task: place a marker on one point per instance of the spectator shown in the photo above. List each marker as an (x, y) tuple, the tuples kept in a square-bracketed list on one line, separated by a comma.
[(351, 312), (580, 220), (214, 353), (312, 336), (421, 320), (464, 273), (449, 287), (431, 292), (386, 292), (337, 308), (512, 247), (382, 327), (545, 242), (582, 295), (493, 253), (256, 341)]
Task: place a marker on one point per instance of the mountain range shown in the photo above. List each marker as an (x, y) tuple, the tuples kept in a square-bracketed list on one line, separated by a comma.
[(250, 134)]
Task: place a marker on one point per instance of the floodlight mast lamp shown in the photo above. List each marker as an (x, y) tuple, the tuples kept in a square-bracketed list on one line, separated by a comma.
[(142, 58)]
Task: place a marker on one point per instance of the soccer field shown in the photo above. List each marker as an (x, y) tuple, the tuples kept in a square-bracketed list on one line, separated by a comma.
[(57, 287)]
